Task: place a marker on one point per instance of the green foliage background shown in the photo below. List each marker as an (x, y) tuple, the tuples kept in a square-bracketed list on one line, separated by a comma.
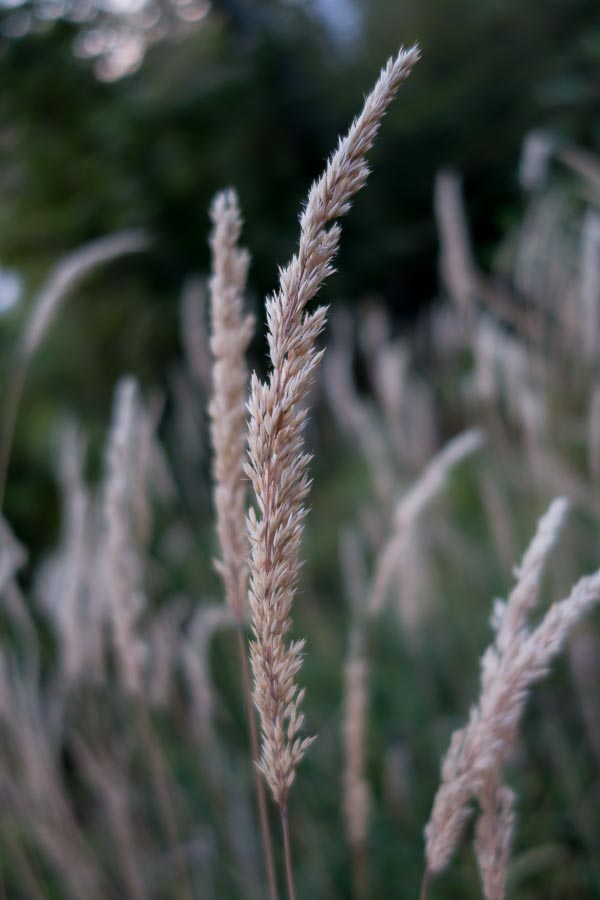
[(255, 96)]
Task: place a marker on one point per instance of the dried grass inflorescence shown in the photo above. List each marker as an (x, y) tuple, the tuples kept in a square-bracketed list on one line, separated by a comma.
[(517, 658), (119, 552), (64, 278), (277, 461), (231, 332), (411, 506), (493, 837), (63, 585)]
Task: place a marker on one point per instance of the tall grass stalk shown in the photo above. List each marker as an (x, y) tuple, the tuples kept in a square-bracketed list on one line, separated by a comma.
[(277, 461), (231, 331), (64, 278), (517, 658)]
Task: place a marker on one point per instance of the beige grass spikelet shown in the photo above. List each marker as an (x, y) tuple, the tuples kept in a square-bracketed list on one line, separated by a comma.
[(231, 331), (277, 461), (511, 618), (32, 781), (516, 659), (411, 506), (536, 154), (457, 264), (66, 276), (12, 555), (493, 837), (119, 554), (62, 281), (61, 580)]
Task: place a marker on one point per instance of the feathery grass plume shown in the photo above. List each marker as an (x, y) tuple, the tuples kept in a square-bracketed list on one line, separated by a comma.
[(120, 558), (64, 278), (374, 327), (121, 562), (32, 782), (459, 271), (133, 462), (61, 581), (540, 236), (484, 384), (124, 510), (415, 578), (277, 461), (70, 584), (583, 162), (392, 385), (536, 155), (511, 617), (13, 557), (517, 658), (493, 837), (231, 331), (411, 506), (457, 263), (436, 474), (146, 449)]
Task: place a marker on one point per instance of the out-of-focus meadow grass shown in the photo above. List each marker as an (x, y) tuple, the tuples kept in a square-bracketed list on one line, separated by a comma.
[(150, 795)]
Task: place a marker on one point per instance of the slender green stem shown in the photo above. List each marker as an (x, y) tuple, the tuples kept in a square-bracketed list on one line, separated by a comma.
[(424, 885), (31, 879), (359, 871), (285, 827), (260, 787), (165, 801)]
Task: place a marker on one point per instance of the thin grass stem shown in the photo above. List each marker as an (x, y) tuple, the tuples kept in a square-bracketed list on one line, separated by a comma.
[(260, 787), (289, 871), (424, 885), (163, 795)]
